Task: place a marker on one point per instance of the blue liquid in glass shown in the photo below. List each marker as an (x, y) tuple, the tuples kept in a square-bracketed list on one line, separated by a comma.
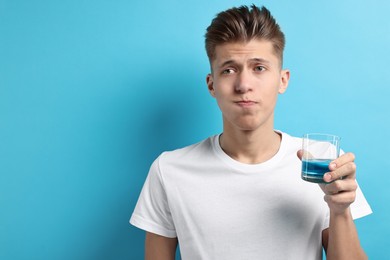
[(313, 170)]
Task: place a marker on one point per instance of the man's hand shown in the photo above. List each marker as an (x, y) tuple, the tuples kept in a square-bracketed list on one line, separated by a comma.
[(340, 189), (340, 193)]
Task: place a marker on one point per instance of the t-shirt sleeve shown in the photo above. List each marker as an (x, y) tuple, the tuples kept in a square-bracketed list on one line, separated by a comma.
[(359, 208), (152, 211)]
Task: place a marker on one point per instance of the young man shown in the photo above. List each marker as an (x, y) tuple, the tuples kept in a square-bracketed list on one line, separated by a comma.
[(239, 195)]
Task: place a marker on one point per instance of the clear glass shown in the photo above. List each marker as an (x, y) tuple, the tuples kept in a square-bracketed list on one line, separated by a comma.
[(318, 151)]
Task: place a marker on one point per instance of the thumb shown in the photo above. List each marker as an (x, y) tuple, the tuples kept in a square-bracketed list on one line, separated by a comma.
[(300, 154)]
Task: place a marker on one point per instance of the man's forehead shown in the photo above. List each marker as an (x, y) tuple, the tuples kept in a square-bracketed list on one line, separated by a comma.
[(254, 50)]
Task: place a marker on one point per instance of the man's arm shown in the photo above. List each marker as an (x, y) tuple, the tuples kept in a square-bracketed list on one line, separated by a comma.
[(159, 247), (341, 240)]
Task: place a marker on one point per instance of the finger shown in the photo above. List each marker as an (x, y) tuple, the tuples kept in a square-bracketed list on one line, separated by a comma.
[(346, 171), (341, 199), (340, 186), (302, 154), (343, 159)]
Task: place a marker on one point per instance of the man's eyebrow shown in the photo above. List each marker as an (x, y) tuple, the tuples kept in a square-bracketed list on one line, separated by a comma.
[(225, 63), (253, 60), (260, 60)]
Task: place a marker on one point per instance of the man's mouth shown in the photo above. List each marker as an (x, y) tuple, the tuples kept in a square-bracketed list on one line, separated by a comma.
[(245, 103)]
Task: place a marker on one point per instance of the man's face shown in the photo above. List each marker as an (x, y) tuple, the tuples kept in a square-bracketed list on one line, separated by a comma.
[(246, 80)]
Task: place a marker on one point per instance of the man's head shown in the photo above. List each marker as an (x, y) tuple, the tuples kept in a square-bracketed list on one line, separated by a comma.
[(245, 49), (242, 25)]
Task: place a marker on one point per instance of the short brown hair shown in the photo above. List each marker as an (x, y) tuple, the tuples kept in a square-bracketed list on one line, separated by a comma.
[(243, 24)]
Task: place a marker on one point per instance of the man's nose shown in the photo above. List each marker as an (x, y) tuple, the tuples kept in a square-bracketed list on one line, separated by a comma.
[(243, 82)]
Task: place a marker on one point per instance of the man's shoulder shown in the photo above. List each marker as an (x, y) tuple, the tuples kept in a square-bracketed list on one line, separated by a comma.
[(290, 140), (192, 151)]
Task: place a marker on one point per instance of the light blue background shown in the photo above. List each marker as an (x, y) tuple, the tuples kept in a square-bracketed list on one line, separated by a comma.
[(92, 91)]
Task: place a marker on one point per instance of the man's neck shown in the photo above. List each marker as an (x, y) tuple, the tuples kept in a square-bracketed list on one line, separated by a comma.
[(250, 147)]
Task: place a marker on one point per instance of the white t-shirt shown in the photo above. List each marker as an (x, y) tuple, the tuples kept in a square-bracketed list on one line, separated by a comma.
[(219, 208)]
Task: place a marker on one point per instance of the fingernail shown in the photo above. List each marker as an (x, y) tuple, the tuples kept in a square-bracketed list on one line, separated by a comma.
[(332, 166), (327, 177)]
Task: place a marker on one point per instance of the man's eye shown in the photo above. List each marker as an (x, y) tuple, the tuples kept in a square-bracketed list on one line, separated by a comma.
[(259, 68), (227, 71)]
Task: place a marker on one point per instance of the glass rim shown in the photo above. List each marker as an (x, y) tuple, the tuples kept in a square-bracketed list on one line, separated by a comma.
[(308, 135)]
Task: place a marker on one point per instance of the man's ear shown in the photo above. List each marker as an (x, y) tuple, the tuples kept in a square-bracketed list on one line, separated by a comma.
[(284, 79), (210, 84)]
